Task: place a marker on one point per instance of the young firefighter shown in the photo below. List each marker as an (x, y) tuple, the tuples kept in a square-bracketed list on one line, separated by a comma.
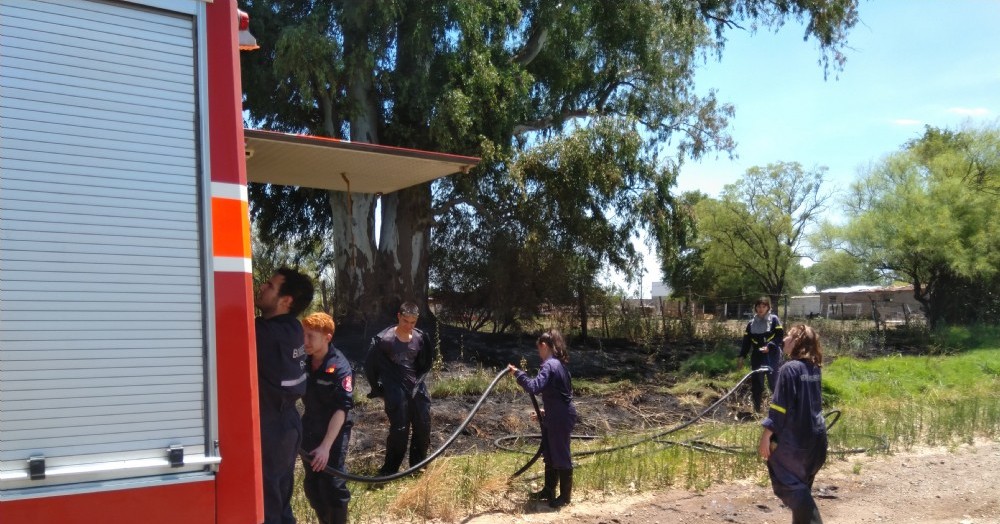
[(397, 365), (559, 415), (794, 439), (762, 341), (327, 420)]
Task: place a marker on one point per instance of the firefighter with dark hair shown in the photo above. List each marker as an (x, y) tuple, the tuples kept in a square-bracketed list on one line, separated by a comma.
[(559, 417), (281, 377), (762, 340), (327, 421), (398, 362)]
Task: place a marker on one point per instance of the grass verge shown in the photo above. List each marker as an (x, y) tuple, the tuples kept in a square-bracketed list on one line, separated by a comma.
[(903, 400)]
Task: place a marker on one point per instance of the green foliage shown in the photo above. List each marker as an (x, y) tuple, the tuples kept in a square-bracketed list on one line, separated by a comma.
[(926, 215), (473, 384), (839, 269), (588, 388), (710, 364), (499, 79), (750, 239), (909, 378), (966, 337)]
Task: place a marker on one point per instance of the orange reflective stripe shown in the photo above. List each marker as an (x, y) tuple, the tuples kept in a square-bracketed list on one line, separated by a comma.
[(230, 228)]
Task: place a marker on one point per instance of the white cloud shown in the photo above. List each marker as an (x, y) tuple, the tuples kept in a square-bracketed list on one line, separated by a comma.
[(906, 122), (969, 111)]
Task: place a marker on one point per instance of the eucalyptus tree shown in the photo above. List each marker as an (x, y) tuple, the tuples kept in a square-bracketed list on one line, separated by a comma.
[(468, 76)]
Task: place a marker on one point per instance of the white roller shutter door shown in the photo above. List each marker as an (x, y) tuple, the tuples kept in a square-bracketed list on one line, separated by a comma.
[(102, 321)]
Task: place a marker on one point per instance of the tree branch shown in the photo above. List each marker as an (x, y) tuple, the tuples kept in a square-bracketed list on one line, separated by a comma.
[(450, 204), (534, 45), (548, 121)]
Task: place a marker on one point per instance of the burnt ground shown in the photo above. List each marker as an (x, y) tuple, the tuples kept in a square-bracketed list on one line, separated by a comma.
[(641, 405), (927, 485)]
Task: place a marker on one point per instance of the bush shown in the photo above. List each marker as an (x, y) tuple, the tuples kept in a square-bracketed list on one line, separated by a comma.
[(711, 364), (966, 337)]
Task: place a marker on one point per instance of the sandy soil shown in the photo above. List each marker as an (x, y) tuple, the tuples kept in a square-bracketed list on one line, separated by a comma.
[(927, 485)]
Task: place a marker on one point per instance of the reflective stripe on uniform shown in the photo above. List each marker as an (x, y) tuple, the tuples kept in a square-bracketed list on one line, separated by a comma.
[(296, 382), (778, 408)]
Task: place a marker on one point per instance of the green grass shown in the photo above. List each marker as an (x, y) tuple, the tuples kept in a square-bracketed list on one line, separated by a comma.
[(965, 337), (712, 363), (474, 384), (854, 382), (911, 400), (900, 400)]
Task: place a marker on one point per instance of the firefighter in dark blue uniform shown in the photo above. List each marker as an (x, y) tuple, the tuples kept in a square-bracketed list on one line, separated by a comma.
[(281, 376), (762, 340), (398, 362), (554, 383), (794, 441), (327, 421)]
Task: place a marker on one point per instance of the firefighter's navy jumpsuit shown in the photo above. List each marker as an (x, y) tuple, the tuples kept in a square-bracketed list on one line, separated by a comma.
[(554, 383), (763, 333), (281, 381), (331, 389), (795, 417), (397, 370)]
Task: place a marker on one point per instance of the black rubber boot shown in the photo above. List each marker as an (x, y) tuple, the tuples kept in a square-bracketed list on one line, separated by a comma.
[(548, 491), (338, 515), (808, 514), (565, 489)]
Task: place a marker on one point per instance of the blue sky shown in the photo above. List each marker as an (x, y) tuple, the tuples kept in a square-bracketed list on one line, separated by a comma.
[(910, 63)]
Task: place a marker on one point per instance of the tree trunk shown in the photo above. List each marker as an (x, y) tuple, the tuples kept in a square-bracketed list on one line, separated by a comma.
[(404, 248), (584, 317), (355, 280)]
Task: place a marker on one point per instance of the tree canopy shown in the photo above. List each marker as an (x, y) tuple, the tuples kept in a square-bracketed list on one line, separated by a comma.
[(927, 215), (751, 239), (496, 78)]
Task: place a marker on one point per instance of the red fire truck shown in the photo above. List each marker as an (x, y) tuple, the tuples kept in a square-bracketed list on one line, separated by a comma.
[(128, 387)]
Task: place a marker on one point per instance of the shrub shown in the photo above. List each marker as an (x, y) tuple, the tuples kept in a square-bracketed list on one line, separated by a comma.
[(710, 364)]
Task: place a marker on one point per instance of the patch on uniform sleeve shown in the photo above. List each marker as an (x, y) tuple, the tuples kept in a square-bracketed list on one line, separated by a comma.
[(348, 384)]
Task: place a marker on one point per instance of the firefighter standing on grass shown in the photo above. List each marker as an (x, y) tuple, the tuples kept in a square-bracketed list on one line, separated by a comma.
[(398, 362), (559, 415), (327, 421), (281, 382), (762, 340)]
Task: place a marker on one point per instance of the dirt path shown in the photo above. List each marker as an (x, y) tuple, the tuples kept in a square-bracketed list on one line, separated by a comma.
[(958, 485)]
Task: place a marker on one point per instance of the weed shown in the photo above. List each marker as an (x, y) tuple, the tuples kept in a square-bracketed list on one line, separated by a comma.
[(714, 363), (474, 384)]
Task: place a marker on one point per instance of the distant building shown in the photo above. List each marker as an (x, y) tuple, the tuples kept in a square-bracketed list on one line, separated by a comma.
[(893, 303), (660, 289), (804, 306)]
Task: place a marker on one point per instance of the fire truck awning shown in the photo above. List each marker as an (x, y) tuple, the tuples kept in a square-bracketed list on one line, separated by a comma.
[(326, 163)]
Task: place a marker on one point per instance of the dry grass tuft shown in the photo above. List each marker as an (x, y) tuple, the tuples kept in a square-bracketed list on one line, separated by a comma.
[(423, 497), (512, 423)]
